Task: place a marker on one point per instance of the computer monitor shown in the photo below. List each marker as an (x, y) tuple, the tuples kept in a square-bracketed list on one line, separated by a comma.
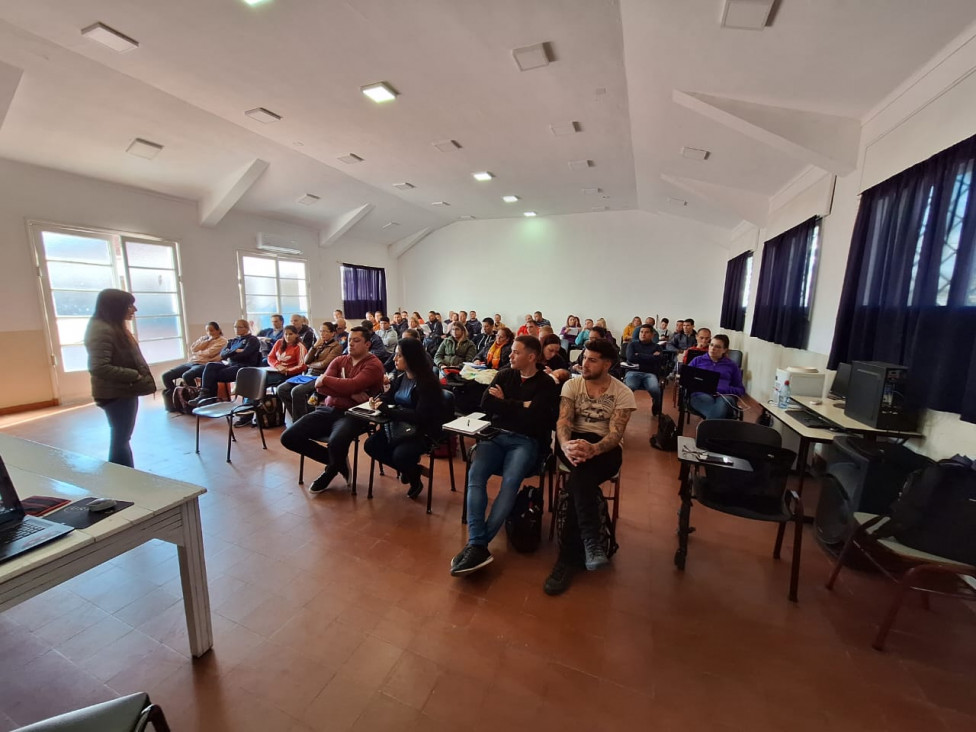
[(838, 389)]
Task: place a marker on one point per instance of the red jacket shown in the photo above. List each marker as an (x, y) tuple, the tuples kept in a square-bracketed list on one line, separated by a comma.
[(345, 384), (291, 357)]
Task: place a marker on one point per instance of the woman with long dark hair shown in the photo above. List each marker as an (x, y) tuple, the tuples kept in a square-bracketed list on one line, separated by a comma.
[(416, 407), (119, 373)]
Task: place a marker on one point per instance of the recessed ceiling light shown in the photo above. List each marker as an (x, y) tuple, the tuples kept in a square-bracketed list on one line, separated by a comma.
[(484, 175), (510, 199), (109, 37), (529, 214), (562, 129), (677, 201), (746, 14), (403, 186), (580, 164), (439, 203), (466, 217), (531, 57), (447, 145), (143, 148), (391, 224), (694, 153), (591, 191), (308, 199), (350, 158), (380, 92), (255, 2), (262, 115), (599, 208)]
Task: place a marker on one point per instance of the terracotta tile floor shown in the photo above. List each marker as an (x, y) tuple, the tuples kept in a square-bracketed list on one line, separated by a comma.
[(338, 613)]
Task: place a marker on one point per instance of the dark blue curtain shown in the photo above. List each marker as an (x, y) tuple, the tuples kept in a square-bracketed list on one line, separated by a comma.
[(363, 290), (733, 311), (782, 311), (909, 293)]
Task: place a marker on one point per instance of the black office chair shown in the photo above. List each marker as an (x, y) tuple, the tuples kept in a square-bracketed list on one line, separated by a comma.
[(250, 385), (735, 357), (132, 713), (760, 495)]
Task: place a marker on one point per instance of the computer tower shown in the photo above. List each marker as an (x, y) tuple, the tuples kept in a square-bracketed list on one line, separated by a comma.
[(876, 396), (861, 475)]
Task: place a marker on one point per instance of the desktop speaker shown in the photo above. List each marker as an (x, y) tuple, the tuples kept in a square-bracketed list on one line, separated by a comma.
[(876, 396)]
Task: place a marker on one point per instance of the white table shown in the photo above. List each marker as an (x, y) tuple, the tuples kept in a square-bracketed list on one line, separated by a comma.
[(163, 509)]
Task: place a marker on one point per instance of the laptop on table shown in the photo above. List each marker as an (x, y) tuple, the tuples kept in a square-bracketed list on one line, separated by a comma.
[(838, 389), (694, 380), (19, 532)]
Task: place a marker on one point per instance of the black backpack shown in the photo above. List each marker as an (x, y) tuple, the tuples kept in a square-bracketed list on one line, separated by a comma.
[(524, 523), (667, 435), (608, 538), (182, 396), (936, 512), (270, 412)]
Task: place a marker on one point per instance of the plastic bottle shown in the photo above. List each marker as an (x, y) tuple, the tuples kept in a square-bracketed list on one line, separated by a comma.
[(784, 395)]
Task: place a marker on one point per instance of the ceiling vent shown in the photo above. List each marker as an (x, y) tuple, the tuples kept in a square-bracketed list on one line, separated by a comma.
[(349, 158), (262, 115), (391, 224), (447, 146), (143, 148), (308, 199), (532, 57), (564, 128), (591, 191), (694, 153), (580, 164), (403, 186), (677, 202), (439, 203), (746, 14), (109, 37)]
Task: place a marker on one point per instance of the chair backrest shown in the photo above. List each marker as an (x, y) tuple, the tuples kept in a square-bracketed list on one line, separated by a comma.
[(735, 357), (713, 434), (760, 445), (250, 382)]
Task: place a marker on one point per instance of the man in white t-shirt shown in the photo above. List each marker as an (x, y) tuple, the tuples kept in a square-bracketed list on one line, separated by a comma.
[(593, 414)]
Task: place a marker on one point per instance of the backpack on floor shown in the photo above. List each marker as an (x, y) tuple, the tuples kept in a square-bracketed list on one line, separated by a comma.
[(182, 395), (667, 435), (524, 523), (608, 533), (270, 412)]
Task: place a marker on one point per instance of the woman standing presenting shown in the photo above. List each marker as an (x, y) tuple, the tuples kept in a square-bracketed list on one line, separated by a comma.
[(119, 373)]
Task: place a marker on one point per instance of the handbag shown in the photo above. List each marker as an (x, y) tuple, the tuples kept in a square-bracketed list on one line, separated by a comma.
[(398, 432)]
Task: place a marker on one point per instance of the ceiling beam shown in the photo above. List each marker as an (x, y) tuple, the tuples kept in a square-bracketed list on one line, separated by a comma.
[(401, 246), (747, 205), (9, 81), (341, 224), (825, 140), (217, 203)]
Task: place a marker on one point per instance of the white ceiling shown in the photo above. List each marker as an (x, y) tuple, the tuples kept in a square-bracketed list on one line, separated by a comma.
[(201, 63)]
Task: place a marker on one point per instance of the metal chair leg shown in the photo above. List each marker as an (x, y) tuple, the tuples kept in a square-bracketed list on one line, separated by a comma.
[(230, 434), (355, 464), (198, 435), (372, 466), (430, 481), (301, 470), (797, 542), (779, 540)]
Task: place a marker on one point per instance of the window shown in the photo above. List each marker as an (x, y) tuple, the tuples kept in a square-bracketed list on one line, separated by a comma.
[(363, 290), (738, 278), (786, 283), (272, 285), (76, 264)]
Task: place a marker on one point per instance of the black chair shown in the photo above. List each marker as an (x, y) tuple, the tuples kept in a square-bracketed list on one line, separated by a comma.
[(760, 495), (561, 471), (355, 465), (735, 357), (547, 467), (132, 713), (250, 385)]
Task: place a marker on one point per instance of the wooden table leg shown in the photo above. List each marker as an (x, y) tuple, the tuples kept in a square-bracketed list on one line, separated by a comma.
[(193, 576)]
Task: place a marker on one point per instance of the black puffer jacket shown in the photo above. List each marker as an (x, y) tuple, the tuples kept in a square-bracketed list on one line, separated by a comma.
[(116, 364)]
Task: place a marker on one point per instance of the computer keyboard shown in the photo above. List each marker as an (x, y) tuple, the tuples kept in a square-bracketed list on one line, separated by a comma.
[(19, 532), (809, 420)]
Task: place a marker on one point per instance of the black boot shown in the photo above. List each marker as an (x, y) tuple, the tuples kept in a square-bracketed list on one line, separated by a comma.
[(168, 401)]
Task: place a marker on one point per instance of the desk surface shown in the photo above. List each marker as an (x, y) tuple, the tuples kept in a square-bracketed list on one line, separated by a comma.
[(835, 414), (813, 434)]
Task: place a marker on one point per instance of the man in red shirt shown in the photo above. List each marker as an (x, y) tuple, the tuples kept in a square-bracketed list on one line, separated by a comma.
[(349, 380)]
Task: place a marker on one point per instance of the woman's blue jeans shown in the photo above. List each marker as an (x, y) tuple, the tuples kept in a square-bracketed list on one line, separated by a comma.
[(121, 415)]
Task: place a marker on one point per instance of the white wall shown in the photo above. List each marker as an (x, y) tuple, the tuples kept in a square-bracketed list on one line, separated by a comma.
[(613, 264), (208, 257)]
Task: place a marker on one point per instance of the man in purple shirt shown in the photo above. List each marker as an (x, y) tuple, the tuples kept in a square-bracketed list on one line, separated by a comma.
[(718, 406)]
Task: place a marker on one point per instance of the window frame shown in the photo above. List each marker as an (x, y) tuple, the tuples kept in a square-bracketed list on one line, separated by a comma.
[(276, 258)]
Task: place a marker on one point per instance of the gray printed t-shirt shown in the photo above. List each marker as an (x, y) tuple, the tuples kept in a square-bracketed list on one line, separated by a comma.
[(593, 415)]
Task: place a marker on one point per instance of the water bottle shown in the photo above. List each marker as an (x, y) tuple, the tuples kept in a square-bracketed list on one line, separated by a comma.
[(784, 395)]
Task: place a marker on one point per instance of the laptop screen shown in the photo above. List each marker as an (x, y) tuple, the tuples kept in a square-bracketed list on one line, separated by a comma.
[(10, 508), (838, 389)]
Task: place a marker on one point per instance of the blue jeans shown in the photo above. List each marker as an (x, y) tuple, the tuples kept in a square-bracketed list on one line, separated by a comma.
[(637, 380), (711, 406), (514, 457), (121, 415)]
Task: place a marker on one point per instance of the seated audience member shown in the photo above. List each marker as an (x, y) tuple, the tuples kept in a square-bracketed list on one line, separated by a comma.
[(399, 324), (532, 329), (270, 336), (719, 405), (306, 334), (474, 325), (497, 355), (336, 314), (498, 321), (646, 354), (636, 334), (436, 327), (545, 330), (663, 331), (524, 328), (417, 316), (603, 324), (387, 334), (568, 332), (597, 333), (371, 319), (205, 349), (704, 337), (412, 333), (349, 380), (244, 349), (422, 328), (584, 334), (554, 358), (340, 333), (631, 329), (685, 339), (487, 335), (287, 358), (376, 318), (537, 317), (455, 349), (522, 402), (376, 345), (593, 414), (294, 393), (414, 398), (463, 318)]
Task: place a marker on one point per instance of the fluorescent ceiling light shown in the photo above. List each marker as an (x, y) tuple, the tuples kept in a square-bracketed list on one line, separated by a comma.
[(255, 2), (599, 208), (591, 191), (143, 148), (562, 129), (308, 199), (510, 199), (483, 176), (531, 57), (350, 158), (403, 186), (677, 201), (439, 203), (447, 146), (746, 14), (391, 224), (380, 92), (277, 250), (109, 37), (580, 164), (694, 153), (529, 214), (466, 217), (262, 115)]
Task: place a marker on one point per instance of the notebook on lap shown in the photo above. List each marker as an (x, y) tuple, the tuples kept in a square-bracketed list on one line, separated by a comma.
[(19, 532), (694, 379)]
